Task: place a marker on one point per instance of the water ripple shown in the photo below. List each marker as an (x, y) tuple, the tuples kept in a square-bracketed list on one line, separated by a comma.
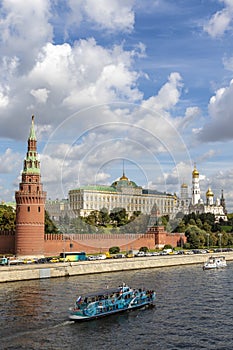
[(193, 311)]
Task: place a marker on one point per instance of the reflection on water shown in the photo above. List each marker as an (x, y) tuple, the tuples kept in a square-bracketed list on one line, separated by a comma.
[(193, 311)]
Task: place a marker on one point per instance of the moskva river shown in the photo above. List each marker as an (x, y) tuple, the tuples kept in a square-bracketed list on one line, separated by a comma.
[(194, 310)]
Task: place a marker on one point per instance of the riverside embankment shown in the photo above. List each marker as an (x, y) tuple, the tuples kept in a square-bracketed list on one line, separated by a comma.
[(34, 271)]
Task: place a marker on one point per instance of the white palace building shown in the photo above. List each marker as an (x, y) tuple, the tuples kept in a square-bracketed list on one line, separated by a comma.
[(124, 193)]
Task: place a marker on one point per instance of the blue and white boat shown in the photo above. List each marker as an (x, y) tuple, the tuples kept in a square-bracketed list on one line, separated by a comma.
[(110, 301)]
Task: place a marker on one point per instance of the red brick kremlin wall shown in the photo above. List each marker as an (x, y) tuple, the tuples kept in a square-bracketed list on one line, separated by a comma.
[(97, 243), (100, 243), (7, 242), (54, 244)]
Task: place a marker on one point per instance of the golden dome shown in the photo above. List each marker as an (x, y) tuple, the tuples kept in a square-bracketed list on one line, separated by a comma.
[(184, 186), (195, 172), (123, 177), (209, 193)]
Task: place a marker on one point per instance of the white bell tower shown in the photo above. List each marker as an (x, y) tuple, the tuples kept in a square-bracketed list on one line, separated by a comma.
[(196, 193)]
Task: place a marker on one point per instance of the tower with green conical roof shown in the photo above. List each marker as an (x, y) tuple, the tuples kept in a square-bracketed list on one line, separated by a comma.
[(30, 204)]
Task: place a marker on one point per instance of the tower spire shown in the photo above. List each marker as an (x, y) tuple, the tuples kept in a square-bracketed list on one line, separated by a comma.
[(31, 162), (32, 134), (123, 177), (223, 203)]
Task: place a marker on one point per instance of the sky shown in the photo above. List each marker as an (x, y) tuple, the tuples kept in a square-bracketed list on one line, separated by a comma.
[(144, 87)]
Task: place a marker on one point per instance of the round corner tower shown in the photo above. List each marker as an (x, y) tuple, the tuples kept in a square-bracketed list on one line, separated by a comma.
[(30, 204)]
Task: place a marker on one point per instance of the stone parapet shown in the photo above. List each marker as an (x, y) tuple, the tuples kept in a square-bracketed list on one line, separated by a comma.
[(20, 273)]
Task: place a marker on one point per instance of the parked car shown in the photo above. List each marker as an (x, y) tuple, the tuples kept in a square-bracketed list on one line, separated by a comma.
[(91, 257), (155, 253), (119, 256), (3, 261), (101, 257), (54, 260), (140, 254), (42, 260), (148, 254)]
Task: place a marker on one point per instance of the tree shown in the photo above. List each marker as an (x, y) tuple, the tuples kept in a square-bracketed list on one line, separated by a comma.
[(7, 218), (195, 237), (134, 215), (119, 216), (199, 223), (49, 225), (143, 249), (104, 218), (165, 220), (168, 246), (114, 250), (192, 222), (93, 218), (206, 227), (180, 227)]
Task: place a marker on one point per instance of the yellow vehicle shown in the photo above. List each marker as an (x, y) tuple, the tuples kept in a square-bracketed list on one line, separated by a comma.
[(108, 255), (54, 260), (29, 261), (129, 254)]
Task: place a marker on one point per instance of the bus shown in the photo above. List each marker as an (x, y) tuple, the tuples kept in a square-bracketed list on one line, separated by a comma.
[(73, 256)]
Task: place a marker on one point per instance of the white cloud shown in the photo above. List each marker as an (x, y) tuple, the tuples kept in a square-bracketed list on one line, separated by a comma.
[(221, 114), (24, 29), (168, 95), (207, 155), (9, 161), (221, 21), (41, 95), (228, 63), (85, 74), (192, 114), (4, 100), (111, 15)]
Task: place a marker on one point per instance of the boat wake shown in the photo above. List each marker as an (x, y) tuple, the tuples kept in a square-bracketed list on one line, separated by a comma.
[(65, 323), (31, 331)]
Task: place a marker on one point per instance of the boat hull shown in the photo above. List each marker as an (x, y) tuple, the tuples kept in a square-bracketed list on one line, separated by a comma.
[(82, 318)]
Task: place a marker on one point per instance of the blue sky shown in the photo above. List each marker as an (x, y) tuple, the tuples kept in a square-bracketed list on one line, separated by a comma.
[(147, 82)]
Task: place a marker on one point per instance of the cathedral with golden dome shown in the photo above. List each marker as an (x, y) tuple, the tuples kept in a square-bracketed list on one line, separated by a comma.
[(199, 206)]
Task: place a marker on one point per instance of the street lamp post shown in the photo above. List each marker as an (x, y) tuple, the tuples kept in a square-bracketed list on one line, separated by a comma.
[(220, 236), (208, 240)]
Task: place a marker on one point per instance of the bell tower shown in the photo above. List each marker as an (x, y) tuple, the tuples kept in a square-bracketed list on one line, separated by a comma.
[(196, 193), (30, 204)]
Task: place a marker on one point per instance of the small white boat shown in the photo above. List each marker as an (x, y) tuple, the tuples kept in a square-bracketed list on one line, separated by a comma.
[(215, 262)]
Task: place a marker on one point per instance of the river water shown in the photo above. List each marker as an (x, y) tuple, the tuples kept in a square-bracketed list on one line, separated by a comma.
[(194, 310)]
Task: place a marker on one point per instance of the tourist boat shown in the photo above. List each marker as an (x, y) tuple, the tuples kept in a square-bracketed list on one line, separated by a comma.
[(110, 301), (215, 262)]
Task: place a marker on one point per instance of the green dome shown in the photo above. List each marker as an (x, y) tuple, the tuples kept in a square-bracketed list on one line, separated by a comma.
[(124, 182)]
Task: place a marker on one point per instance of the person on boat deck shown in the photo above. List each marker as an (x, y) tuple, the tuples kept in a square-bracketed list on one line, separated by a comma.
[(79, 299)]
